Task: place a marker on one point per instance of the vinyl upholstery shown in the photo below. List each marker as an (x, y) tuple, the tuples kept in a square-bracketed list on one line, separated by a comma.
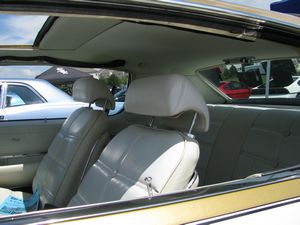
[(75, 148), (167, 157), (60, 171), (175, 94), (245, 140), (91, 90)]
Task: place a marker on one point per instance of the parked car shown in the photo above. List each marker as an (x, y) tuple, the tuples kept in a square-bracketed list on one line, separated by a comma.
[(236, 90), (23, 99), (120, 96), (180, 152), (119, 101), (290, 91)]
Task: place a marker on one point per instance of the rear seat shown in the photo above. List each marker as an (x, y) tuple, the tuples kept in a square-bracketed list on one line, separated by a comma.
[(245, 140)]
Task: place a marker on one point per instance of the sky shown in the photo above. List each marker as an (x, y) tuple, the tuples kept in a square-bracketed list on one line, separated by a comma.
[(21, 71), (263, 4), (20, 30), (17, 29)]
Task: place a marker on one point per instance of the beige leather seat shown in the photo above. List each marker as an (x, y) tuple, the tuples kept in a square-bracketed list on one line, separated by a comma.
[(144, 160), (74, 149)]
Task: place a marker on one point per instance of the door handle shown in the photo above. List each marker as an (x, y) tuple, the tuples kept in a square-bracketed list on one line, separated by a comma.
[(1, 117)]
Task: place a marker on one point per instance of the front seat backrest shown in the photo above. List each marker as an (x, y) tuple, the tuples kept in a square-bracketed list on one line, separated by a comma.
[(144, 160), (76, 146)]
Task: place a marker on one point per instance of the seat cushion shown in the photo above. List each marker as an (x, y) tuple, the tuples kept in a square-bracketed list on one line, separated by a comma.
[(138, 152)]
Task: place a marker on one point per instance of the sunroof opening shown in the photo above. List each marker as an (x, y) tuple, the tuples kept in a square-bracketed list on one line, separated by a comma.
[(20, 29)]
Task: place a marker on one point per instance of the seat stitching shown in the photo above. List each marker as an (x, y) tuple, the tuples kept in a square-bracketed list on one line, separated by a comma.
[(282, 140), (243, 143), (120, 161), (78, 146), (214, 145), (179, 161)]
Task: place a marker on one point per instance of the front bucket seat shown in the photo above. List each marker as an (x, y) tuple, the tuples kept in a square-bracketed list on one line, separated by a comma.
[(74, 149), (144, 160)]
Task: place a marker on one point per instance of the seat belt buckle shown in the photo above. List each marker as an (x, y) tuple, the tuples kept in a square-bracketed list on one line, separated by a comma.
[(149, 186)]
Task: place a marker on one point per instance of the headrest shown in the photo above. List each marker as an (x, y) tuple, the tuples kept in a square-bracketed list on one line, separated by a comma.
[(166, 96), (91, 90), (181, 122)]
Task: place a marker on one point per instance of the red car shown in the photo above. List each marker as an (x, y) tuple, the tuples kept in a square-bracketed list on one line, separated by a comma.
[(235, 89)]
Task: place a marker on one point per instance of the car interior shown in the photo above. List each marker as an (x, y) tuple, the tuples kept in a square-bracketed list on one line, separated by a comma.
[(177, 131)]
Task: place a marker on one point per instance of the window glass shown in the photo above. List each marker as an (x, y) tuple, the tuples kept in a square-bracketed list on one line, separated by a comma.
[(20, 95), (248, 78)]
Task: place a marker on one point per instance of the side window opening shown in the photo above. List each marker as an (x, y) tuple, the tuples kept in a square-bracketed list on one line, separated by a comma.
[(116, 81), (118, 88), (249, 79), (20, 89)]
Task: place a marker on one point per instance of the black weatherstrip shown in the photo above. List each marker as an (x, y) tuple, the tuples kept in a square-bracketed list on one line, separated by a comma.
[(45, 28), (266, 101), (57, 61)]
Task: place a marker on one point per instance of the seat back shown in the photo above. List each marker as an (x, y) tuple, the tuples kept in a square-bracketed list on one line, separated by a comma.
[(245, 140), (76, 147), (143, 160)]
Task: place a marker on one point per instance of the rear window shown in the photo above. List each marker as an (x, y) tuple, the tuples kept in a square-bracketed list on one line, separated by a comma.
[(247, 78)]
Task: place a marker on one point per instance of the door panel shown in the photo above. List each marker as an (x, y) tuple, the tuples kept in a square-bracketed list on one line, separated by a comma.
[(22, 146), (21, 137), (19, 175)]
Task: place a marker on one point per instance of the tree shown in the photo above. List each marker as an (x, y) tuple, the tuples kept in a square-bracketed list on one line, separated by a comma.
[(113, 80)]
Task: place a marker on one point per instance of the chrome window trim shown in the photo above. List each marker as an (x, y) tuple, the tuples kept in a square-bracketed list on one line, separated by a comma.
[(220, 10)]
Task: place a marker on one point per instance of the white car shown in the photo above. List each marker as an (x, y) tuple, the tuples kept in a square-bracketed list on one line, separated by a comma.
[(290, 91), (23, 99), (294, 88)]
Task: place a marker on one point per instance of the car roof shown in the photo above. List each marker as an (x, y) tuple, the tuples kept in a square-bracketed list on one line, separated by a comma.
[(49, 92), (181, 41), (116, 42)]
